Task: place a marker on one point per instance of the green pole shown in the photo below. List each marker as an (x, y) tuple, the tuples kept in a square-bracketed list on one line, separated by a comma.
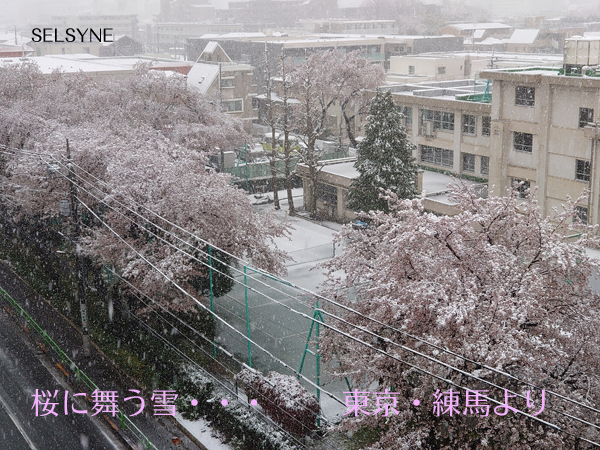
[(247, 318), (318, 365), (210, 276)]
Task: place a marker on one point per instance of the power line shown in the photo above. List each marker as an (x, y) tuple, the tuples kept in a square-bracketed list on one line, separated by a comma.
[(219, 362), (378, 350), (354, 326), (354, 339), (183, 291)]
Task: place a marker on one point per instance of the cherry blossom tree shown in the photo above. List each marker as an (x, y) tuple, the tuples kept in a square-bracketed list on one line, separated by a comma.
[(319, 83), (497, 284), (142, 142)]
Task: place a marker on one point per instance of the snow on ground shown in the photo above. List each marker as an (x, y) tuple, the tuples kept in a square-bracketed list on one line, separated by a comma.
[(203, 432)]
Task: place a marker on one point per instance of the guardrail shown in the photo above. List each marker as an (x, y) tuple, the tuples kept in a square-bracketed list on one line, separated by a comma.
[(47, 342)]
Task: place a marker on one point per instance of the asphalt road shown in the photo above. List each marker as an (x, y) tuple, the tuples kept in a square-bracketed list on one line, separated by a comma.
[(24, 368), (22, 373)]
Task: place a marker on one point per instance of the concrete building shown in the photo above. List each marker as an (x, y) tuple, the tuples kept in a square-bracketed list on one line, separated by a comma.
[(121, 24), (534, 127), (65, 48), (216, 74), (540, 135), (250, 47), (171, 36), (379, 27), (449, 123), (460, 65), (336, 176)]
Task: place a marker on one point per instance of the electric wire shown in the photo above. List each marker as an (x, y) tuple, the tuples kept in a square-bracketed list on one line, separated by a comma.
[(467, 374), (532, 417), (226, 368), (352, 325), (345, 307)]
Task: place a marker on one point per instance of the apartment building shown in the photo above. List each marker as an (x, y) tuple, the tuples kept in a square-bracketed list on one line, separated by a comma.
[(216, 74), (540, 134), (537, 125), (449, 123)]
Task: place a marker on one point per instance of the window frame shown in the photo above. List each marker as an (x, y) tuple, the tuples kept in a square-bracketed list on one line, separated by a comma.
[(583, 170), (525, 96), (407, 112), (588, 110), (411, 70), (522, 146), (468, 162), (486, 130), (469, 124), (442, 120), (326, 193), (227, 82), (486, 165), (436, 156), (234, 100)]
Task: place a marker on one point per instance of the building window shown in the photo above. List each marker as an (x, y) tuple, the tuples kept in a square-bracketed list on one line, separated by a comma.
[(523, 142), (485, 165), (233, 105), (524, 96), (486, 125), (586, 115), (582, 170), (407, 112), (441, 120), (86, 50), (437, 156), (469, 124), (227, 82), (582, 214), (441, 70), (411, 70), (468, 162), (63, 50), (522, 188)]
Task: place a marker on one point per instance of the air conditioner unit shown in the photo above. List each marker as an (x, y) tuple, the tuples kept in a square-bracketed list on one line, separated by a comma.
[(428, 128)]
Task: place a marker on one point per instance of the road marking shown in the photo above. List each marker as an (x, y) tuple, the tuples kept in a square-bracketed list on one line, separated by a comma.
[(17, 423)]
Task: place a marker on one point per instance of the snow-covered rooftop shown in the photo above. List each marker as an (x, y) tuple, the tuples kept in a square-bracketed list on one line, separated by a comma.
[(479, 26), (524, 36), (345, 170), (210, 47), (435, 184), (478, 34), (90, 64), (202, 76)]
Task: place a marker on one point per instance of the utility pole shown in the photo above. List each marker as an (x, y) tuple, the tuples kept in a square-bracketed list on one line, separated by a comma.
[(273, 158), (79, 262)]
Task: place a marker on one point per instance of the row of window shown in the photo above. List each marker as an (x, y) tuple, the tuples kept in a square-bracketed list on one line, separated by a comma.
[(442, 157), (441, 70), (445, 121)]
